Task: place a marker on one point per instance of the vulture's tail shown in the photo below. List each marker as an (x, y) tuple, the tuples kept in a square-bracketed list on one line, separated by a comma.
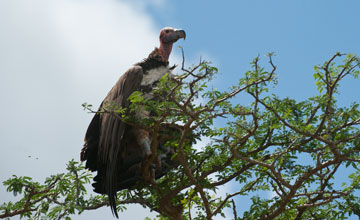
[(110, 183)]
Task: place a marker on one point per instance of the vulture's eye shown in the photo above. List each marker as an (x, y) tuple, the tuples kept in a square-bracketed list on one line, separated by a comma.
[(167, 31)]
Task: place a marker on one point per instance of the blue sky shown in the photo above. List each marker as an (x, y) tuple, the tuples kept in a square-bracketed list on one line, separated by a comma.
[(55, 55), (301, 33)]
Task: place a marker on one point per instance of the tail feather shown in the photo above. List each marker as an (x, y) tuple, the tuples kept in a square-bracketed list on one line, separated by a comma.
[(112, 203)]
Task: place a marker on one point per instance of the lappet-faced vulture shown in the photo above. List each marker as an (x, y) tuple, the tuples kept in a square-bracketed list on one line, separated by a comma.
[(117, 150)]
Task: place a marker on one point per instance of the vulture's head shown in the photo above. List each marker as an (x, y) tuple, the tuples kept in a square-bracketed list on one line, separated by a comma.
[(171, 35), (168, 36)]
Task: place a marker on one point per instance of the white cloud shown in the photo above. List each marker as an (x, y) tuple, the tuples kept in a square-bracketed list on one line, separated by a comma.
[(54, 56), (159, 4)]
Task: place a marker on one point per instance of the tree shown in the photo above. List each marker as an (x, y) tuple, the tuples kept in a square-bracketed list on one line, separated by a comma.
[(293, 148)]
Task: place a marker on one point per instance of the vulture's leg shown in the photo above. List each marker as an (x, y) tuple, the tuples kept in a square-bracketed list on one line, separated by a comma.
[(143, 139), (141, 135)]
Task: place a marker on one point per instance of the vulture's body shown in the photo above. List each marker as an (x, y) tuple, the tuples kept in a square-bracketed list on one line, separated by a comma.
[(117, 150)]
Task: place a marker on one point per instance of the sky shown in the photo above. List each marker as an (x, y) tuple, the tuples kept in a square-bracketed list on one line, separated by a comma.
[(56, 55)]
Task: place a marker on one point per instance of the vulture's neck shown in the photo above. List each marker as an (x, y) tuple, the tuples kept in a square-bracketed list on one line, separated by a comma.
[(165, 50)]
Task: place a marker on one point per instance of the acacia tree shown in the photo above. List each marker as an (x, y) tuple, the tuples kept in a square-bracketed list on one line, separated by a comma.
[(292, 148)]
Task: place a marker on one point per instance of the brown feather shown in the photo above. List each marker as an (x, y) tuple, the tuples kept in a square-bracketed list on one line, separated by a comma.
[(105, 133)]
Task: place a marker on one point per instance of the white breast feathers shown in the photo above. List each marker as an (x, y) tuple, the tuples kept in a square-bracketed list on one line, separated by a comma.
[(154, 75)]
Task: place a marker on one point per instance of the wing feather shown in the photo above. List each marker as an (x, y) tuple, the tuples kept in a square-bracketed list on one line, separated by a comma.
[(113, 128), (105, 133)]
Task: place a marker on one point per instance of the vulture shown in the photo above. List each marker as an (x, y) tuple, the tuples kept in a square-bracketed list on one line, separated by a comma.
[(115, 149)]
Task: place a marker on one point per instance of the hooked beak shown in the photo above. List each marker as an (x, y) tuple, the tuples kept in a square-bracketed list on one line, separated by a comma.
[(180, 33)]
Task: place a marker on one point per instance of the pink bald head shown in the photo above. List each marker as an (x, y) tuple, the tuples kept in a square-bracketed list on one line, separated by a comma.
[(168, 36)]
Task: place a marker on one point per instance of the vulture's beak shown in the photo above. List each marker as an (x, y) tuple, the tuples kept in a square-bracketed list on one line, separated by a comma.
[(180, 33)]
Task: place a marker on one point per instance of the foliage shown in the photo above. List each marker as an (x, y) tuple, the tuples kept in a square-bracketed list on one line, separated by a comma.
[(292, 148), (59, 196)]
